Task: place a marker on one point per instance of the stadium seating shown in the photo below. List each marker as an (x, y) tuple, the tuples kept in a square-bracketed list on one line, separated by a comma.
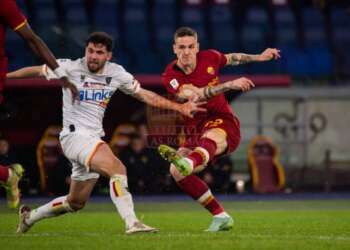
[(267, 172), (314, 28), (222, 23), (341, 22), (144, 34), (164, 18), (285, 23), (48, 152)]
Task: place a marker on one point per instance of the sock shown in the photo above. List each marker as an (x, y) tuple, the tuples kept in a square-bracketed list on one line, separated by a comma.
[(122, 199), (54, 208), (4, 174), (199, 190), (222, 215), (202, 154)]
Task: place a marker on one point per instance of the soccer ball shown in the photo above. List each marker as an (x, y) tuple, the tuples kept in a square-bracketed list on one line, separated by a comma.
[(188, 92)]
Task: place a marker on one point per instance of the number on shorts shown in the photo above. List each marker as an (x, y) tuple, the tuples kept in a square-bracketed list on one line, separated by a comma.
[(213, 123)]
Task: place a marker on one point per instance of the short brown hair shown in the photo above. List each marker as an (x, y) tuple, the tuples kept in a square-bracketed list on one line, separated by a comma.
[(101, 38), (185, 31)]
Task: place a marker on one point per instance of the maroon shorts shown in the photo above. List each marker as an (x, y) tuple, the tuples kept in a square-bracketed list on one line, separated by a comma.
[(227, 122)]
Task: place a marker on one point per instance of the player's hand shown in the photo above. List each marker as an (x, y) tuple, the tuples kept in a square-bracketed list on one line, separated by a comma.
[(243, 84), (269, 54), (190, 107), (73, 89)]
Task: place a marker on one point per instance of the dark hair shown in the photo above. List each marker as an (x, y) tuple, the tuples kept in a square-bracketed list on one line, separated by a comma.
[(185, 31), (101, 38)]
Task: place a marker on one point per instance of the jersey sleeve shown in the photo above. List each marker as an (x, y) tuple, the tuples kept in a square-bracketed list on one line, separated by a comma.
[(219, 57), (128, 84), (48, 73), (11, 14)]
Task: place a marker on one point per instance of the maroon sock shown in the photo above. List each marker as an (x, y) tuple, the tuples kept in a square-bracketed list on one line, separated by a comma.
[(198, 190), (4, 173), (198, 157)]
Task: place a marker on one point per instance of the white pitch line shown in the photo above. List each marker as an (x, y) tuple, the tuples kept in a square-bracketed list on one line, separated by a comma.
[(188, 235)]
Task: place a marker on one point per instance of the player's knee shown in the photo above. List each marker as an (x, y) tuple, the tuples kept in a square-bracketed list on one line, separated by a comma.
[(119, 166), (219, 137), (221, 147), (113, 166), (175, 173)]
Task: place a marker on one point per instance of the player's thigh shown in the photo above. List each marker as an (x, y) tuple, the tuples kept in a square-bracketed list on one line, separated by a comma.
[(219, 136), (80, 191), (105, 162)]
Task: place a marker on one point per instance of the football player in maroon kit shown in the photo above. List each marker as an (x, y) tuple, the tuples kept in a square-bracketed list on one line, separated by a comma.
[(194, 75), (12, 17)]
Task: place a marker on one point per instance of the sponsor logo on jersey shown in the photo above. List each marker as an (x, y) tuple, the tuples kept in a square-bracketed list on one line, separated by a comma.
[(174, 83), (93, 84), (82, 78), (210, 70), (95, 95)]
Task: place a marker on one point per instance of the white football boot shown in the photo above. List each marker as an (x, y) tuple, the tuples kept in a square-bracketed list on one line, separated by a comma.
[(139, 227), (23, 226)]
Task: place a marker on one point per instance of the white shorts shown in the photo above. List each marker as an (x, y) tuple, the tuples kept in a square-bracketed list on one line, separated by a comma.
[(79, 148)]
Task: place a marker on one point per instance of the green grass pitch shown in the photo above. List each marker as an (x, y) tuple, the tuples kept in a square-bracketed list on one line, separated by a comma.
[(258, 225)]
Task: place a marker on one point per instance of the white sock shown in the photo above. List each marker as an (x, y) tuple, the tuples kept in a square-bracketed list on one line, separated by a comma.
[(54, 208), (122, 199), (222, 215), (189, 161)]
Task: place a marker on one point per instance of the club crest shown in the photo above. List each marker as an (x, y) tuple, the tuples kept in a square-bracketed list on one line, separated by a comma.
[(210, 70), (108, 80)]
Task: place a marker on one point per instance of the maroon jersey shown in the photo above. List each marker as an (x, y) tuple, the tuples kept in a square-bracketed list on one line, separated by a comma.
[(219, 113), (10, 16), (205, 74)]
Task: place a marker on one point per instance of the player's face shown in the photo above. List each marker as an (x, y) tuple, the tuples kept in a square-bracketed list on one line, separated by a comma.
[(186, 49), (4, 147), (96, 56)]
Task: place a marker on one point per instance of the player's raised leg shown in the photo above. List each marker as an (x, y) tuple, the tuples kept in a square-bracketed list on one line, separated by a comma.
[(212, 142), (105, 163), (79, 193)]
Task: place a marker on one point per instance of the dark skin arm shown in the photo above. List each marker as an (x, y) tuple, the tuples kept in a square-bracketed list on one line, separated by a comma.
[(41, 50)]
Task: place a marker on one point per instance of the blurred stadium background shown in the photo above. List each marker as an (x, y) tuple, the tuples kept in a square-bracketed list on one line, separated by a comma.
[(302, 101)]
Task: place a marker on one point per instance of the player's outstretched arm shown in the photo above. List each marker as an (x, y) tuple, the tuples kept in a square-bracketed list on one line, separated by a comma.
[(42, 51), (155, 100), (39, 48), (26, 72), (241, 58), (206, 93)]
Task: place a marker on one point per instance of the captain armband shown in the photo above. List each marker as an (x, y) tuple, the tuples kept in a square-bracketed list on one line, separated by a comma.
[(208, 92)]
